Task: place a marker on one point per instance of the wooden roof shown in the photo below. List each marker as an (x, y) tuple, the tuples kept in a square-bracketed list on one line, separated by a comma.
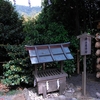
[(49, 53)]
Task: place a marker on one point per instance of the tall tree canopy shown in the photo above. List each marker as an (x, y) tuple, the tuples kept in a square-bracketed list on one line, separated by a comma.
[(11, 29), (10, 24), (75, 15), (11, 36)]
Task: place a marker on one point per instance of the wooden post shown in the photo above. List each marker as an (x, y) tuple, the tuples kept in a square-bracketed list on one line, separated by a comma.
[(62, 63), (36, 69), (83, 83), (43, 66), (84, 77), (78, 66), (44, 91), (62, 88)]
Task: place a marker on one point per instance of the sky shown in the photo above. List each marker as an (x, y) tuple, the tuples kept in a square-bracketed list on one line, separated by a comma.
[(25, 2)]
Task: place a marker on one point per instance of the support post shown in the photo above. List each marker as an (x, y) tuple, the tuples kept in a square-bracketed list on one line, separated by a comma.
[(84, 76), (44, 91), (43, 66), (61, 63), (35, 69), (62, 88), (78, 65)]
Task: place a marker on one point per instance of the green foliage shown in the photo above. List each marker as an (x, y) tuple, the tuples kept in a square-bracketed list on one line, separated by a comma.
[(11, 32), (69, 66), (31, 33), (11, 29), (55, 33), (17, 70), (37, 33), (10, 24)]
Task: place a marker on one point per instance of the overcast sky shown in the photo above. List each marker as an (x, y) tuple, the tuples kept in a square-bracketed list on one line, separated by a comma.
[(25, 2)]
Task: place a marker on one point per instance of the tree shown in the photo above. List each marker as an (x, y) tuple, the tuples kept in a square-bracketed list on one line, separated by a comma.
[(11, 35), (10, 24), (11, 29), (76, 15)]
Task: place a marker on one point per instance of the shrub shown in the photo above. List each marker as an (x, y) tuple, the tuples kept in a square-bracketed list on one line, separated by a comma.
[(17, 70)]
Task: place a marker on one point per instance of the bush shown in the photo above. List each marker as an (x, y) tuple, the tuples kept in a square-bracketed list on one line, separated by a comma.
[(17, 70)]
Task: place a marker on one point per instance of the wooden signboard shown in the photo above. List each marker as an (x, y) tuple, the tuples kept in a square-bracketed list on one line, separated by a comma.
[(85, 49), (85, 44)]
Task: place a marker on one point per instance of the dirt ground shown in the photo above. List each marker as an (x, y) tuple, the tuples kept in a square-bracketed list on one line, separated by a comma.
[(92, 83), (92, 86)]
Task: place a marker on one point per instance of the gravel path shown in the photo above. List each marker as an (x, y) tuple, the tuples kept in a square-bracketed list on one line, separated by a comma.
[(92, 85), (6, 97)]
